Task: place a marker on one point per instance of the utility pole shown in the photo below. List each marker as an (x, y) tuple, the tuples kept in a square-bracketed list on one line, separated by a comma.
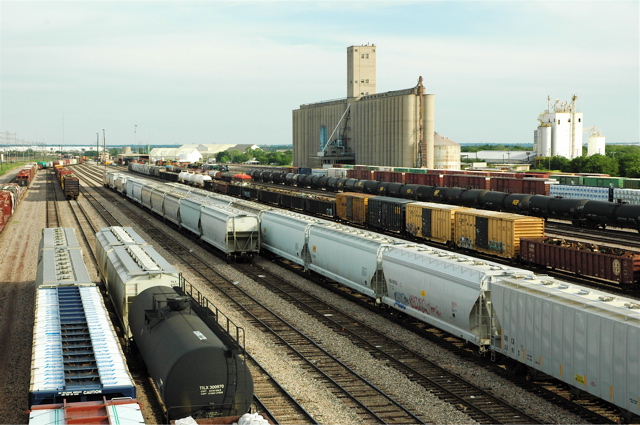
[(104, 140), (97, 148)]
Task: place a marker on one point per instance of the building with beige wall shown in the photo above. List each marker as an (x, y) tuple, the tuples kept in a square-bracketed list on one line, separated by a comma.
[(394, 128)]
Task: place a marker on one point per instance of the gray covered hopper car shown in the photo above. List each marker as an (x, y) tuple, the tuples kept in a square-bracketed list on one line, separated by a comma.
[(197, 372), (129, 270), (60, 260)]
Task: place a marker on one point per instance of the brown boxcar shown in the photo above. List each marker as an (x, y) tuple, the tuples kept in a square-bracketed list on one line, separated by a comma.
[(467, 181), (432, 221), (360, 174), (70, 186), (602, 262), (424, 179), (494, 232), (352, 206), (389, 176)]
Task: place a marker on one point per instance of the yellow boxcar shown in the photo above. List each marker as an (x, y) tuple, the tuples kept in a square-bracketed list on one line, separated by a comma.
[(495, 232), (352, 207), (431, 221)]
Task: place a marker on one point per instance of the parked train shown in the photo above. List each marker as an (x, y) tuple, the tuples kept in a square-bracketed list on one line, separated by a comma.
[(584, 337), (12, 193), (26, 175), (78, 370), (489, 232), (69, 183), (196, 366), (581, 212), (211, 218), (10, 196)]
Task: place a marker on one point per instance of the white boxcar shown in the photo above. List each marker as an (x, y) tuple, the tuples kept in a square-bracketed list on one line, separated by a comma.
[(109, 237), (284, 233), (134, 189), (329, 245), (190, 213), (443, 289), (131, 269), (232, 231), (586, 338), (109, 178), (157, 199), (62, 266), (59, 237), (171, 207), (147, 189), (190, 207), (120, 183)]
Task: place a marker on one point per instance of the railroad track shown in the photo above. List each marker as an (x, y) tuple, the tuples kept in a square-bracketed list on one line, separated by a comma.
[(53, 218), (480, 405), (272, 400), (499, 413), (627, 239)]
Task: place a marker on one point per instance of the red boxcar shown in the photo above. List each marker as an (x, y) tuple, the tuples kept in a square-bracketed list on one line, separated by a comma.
[(536, 174), (424, 179), (389, 176), (478, 173), (360, 174), (537, 186), (6, 207), (467, 181)]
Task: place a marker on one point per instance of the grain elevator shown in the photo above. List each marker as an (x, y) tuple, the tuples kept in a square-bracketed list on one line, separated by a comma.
[(559, 132), (394, 128)]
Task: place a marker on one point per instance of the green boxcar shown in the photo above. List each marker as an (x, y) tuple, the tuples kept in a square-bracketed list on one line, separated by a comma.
[(604, 181), (632, 183), (571, 180)]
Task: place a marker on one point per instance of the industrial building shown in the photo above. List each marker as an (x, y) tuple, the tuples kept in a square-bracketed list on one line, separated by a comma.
[(195, 153), (394, 128), (560, 130)]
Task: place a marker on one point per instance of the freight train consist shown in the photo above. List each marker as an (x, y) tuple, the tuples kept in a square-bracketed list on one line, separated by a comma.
[(10, 196), (211, 218), (490, 232), (584, 337), (26, 175), (78, 370), (197, 368), (69, 183), (581, 212), (12, 193)]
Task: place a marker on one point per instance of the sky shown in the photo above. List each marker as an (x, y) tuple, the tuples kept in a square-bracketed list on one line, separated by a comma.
[(168, 72)]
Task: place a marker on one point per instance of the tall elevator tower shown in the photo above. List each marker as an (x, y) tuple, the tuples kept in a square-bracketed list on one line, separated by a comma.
[(361, 71)]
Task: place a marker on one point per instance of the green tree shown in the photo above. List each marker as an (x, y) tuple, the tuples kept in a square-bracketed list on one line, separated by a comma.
[(595, 164), (629, 164)]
